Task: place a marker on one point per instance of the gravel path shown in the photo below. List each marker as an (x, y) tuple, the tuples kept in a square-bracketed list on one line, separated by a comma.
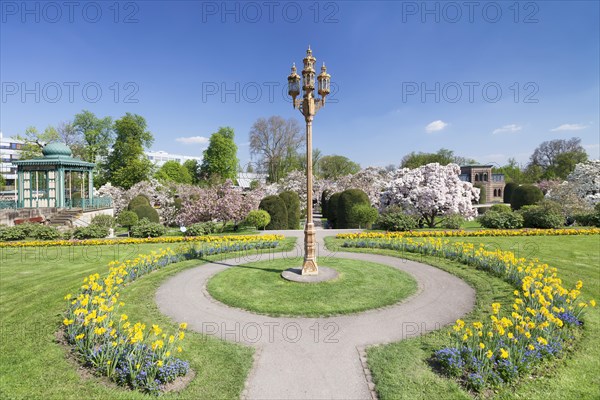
[(315, 358)]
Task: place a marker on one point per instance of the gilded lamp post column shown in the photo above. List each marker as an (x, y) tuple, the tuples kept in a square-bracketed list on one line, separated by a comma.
[(308, 106)]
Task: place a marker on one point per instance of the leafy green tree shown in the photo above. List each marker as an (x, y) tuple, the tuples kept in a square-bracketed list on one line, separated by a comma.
[(220, 160), (127, 164), (512, 172), (34, 141), (2, 182), (442, 157), (172, 171), (258, 219), (565, 163), (127, 219), (193, 169), (97, 134), (556, 158), (364, 215), (334, 166)]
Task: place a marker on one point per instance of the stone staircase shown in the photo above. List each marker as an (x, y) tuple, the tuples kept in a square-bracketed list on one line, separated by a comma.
[(65, 217)]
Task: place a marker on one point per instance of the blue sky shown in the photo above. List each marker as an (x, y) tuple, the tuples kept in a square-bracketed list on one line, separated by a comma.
[(489, 82)]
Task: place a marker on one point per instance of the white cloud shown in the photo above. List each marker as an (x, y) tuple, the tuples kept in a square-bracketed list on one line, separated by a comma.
[(192, 140), (436, 126), (569, 127), (507, 128)]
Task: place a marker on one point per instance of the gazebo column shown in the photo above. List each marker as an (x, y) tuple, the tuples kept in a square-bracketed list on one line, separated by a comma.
[(21, 195), (60, 188), (91, 186)]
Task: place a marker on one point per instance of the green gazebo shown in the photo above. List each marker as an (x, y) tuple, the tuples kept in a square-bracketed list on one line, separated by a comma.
[(56, 180)]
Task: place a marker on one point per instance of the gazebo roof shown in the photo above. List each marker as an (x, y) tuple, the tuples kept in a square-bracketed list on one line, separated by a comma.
[(58, 154)]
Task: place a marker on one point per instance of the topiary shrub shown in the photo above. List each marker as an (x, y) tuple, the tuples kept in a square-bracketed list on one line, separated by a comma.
[(292, 205), (542, 216), (453, 221), (45, 232), (364, 215), (90, 232), (258, 219), (145, 228), (501, 220), (127, 219), (501, 208), (509, 188), (275, 206), (348, 199), (393, 219), (332, 209), (525, 195), (139, 200), (104, 220), (482, 193), (147, 212)]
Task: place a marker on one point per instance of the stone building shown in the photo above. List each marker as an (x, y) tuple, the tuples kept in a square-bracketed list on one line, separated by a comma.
[(482, 176)]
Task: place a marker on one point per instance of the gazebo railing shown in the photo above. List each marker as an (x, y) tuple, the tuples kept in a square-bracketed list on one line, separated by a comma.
[(96, 202), (8, 205)]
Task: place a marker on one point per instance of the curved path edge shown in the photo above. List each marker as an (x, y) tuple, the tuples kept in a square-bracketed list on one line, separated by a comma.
[(315, 358)]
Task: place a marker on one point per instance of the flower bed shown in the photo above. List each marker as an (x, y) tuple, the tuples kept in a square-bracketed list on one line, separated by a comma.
[(130, 354), (166, 239), (461, 233), (538, 326)]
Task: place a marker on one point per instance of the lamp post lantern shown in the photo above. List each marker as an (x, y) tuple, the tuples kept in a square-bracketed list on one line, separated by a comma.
[(308, 105)]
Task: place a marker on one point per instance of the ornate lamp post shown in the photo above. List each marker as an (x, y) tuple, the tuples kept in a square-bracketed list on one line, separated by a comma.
[(308, 106)]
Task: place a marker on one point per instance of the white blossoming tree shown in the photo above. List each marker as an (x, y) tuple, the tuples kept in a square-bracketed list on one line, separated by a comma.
[(581, 191), (430, 191)]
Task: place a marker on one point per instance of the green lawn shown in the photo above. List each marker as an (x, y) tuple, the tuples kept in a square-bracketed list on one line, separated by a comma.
[(400, 370), (33, 282), (259, 287)]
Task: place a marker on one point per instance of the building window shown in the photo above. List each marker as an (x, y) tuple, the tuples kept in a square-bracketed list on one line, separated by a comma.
[(476, 177), (499, 192), (485, 177)]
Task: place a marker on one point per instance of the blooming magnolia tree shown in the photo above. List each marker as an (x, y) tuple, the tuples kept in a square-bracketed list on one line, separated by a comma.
[(581, 191), (222, 203), (430, 191)]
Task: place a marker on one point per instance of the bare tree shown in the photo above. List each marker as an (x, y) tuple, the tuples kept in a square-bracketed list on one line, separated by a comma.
[(545, 155), (276, 142)]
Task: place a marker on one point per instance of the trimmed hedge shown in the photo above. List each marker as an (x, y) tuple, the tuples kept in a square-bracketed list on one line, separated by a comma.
[(276, 208), (332, 209), (147, 212), (482, 193), (348, 199), (525, 195), (292, 205), (509, 189), (139, 200)]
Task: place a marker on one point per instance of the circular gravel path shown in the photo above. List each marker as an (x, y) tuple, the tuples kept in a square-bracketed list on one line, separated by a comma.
[(315, 358)]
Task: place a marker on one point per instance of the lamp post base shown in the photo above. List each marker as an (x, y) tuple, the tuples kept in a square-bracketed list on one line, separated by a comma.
[(309, 267)]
